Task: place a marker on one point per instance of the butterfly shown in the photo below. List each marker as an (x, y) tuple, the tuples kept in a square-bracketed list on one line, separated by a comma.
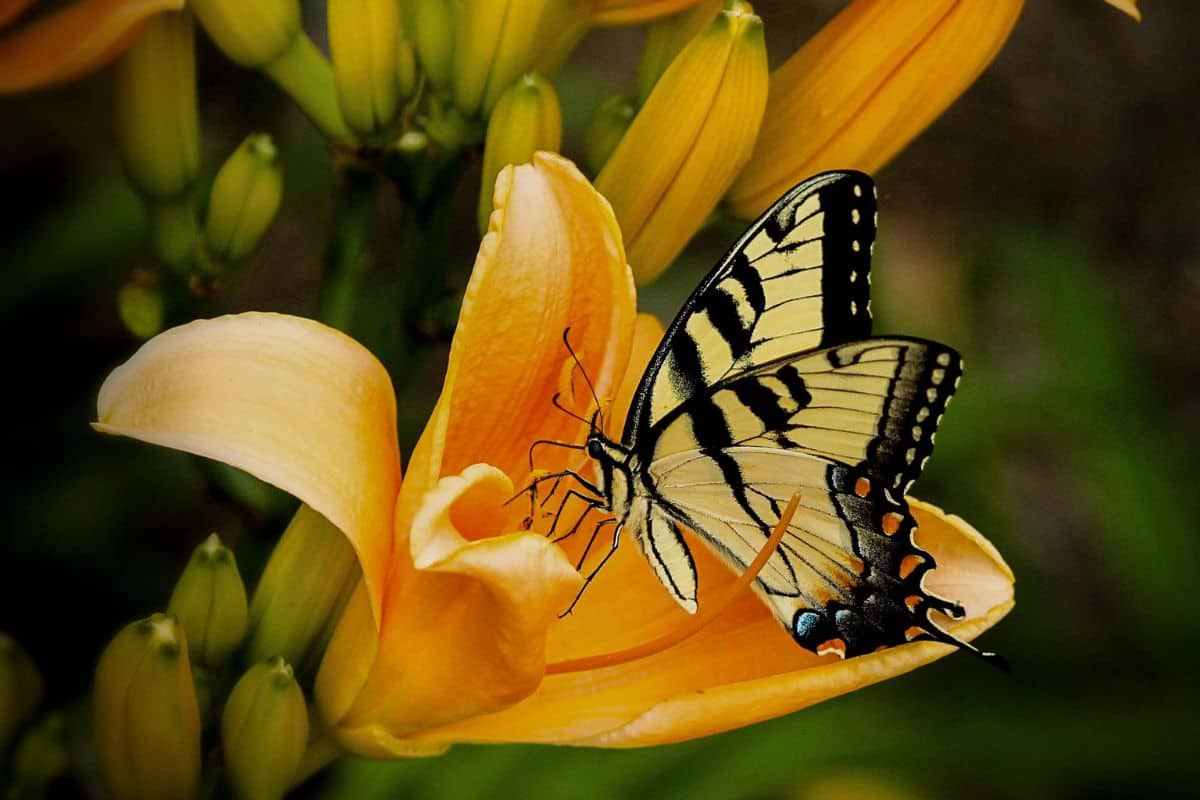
[(767, 381)]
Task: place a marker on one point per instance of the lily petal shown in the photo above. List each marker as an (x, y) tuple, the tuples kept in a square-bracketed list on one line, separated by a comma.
[(647, 333), (741, 669), (1128, 6), (861, 89), (10, 9), (552, 260), (73, 41), (289, 400), (479, 604)]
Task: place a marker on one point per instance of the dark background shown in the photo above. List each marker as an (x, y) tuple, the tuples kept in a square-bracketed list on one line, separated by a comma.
[(1045, 226)]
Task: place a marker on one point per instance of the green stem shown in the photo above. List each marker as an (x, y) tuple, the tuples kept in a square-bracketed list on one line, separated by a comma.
[(346, 255), (305, 74)]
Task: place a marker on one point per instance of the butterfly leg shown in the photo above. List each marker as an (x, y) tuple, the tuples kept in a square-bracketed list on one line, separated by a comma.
[(592, 504), (587, 581)]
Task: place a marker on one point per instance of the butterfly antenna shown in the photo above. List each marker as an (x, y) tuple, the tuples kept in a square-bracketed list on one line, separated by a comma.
[(557, 403), (578, 363)]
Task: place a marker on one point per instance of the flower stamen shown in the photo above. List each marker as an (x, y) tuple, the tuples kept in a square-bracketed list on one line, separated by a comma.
[(696, 623)]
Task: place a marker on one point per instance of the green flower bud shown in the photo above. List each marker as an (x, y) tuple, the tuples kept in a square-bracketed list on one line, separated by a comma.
[(20, 689), (667, 37), (41, 757), (252, 34), (363, 39), (406, 68), (264, 729), (210, 602), (147, 725), (611, 120), (308, 579), (173, 231), (433, 24), (141, 308), (155, 95), (526, 119), (243, 202)]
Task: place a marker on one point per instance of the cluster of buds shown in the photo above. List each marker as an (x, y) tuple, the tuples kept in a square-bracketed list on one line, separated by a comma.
[(212, 662)]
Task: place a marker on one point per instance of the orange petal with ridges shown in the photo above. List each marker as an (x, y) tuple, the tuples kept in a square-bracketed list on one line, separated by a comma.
[(743, 668), (861, 89), (552, 259), (464, 627), (293, 402), (647, 333), (73, 41)]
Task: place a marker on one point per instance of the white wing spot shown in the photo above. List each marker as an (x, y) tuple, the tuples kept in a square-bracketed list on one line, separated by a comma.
[(917, 433), (937, 376), (923, 414), (910, 455), (855, 246), (853, 275), (931, 394), (855, 216), (853, 308), (857, 191), (943, 359)]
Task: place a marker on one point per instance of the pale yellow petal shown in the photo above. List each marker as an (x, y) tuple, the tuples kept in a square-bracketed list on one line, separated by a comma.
[(295, 403)]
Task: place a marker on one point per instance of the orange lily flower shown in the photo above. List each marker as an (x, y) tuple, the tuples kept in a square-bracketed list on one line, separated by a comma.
[(454, 635), (70, 42)]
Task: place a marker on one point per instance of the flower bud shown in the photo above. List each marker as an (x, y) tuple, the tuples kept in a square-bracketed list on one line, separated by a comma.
[(364, 36), (665, 38), (865, 86), (610, 122), (526, 119), (244, 199), (433, 24), (497, 41), (209, 601), (155, 96), (264, 729), (406, 68), (20, 689), (688, 141), (147, 725), (142, 308), (308, 579), (252, 34), (41, 756), (633, 12)]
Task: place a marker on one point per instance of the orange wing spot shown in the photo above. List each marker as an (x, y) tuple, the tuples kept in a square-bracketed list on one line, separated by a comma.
[(912, 602), (913, 633), (836, 646), (862, 487), (882, 647), (891, 522), (909, 563)]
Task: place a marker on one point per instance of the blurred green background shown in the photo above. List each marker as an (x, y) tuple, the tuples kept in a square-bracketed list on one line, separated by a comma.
[(1045, 226)]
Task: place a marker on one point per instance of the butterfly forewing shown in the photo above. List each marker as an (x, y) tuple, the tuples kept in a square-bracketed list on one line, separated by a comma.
[(797, 279)]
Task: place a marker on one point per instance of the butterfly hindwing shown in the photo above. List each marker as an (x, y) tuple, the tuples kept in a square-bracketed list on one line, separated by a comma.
[(847, 575), (798, 279)]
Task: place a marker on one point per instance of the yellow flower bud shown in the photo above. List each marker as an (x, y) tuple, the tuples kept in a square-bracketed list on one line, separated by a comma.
[(665, 38), (609, 124), (142, 308), (406, 68), (526, 119), (308, 579), (689, 140), (155, 95), (865, 86), (632, 12), (253, 34), (20, 689), (363, 40), (243, 202), (497, 41), (433, 23), (147, 725), (264, 729), (210, 602), (40, 757)]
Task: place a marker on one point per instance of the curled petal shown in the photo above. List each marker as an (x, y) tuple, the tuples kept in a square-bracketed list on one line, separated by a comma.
[(741, 669), (73, 41), (464, 628), (552, 261), (289, 400), (647, 333), (861, 89)]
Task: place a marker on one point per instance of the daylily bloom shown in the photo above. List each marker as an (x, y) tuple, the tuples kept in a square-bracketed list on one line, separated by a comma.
[(453, 634)]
